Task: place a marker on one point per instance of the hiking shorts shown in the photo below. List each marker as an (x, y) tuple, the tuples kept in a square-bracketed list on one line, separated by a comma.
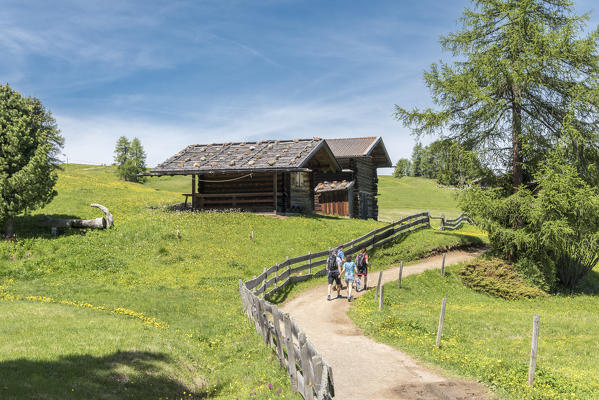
[(334, 277), (363, 272)]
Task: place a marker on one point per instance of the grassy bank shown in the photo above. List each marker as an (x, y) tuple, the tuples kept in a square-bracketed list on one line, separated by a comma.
[(150, 308), (410, 195), (488, 338)]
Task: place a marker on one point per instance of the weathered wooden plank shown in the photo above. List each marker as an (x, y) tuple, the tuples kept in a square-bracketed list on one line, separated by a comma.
[(291, 370), (283, 275), (320, 254), (277, 316), (299, 259), (441, 319), (318, 263), (273, 269), (306, 367), (300, 268), (533, 350), (270, 282), (317, 368), (322, 272)]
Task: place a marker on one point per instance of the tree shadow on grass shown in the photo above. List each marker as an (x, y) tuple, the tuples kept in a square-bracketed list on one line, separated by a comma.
[(31, 226), (129, 374)]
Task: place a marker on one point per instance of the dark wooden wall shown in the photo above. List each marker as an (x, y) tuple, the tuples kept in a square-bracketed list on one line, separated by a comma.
[(366, 180)]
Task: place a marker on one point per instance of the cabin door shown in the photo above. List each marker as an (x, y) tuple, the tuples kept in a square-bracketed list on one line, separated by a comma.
[(364, 199)]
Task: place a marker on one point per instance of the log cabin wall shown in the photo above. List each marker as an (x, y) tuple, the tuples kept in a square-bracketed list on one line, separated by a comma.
[(252, 193), (301, 192), (366, 181), (319, 177)]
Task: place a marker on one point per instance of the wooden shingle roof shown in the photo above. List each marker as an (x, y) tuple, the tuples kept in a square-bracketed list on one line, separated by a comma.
[(327, 186), (261, 156), (371, 146)]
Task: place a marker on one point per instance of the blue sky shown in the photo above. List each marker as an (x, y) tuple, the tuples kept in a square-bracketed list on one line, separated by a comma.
[(174, 73)]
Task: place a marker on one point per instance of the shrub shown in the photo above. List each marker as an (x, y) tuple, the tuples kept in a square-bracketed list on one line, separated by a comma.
[(497, 278), (551, 232)]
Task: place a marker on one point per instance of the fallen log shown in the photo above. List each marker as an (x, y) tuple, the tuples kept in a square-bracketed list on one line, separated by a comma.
[(97, 223)]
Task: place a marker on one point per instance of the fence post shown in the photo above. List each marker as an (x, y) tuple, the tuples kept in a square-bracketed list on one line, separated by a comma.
[(276, 318), (288, 268), (443, 265), (310, 263), (441, 317), (378, 286), (306, 368), (264, 283), (290, 354), (533, 349), (400, 273), (381, 298), (276, 274), (442, 220), (428, 215)]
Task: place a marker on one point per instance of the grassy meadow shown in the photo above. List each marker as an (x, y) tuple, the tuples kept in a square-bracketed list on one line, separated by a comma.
[(150, 308), (410, 195), (488, 338)]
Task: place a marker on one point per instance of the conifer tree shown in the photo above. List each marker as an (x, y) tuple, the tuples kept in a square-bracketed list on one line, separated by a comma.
[(522, 68), (130, 159), (29, 144)]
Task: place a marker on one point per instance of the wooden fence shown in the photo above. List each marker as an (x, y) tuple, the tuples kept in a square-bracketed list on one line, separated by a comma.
[(447, 224), (309, 374)]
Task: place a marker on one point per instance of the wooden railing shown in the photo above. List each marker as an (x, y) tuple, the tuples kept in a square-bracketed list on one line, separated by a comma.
[(448, 224), (309, 374)]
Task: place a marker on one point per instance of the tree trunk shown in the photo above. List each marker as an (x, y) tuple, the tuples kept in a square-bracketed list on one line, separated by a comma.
[(516, 137), (9, 228)]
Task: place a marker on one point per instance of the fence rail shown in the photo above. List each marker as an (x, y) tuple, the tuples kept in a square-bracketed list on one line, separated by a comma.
[(309, 374)]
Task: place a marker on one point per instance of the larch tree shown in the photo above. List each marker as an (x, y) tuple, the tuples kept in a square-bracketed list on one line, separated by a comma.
[(130, 159), (30, 142), (522, 71)]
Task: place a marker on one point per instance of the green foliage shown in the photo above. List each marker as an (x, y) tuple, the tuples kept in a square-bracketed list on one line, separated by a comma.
[(552, 234), (521, 68), (130, 159), (487, 338), (448, 162), (403, 168), (497, 278), (29, 143)]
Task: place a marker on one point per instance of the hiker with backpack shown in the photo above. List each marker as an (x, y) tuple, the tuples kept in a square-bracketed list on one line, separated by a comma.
[(362, 265), (334, 273), (349, 268)]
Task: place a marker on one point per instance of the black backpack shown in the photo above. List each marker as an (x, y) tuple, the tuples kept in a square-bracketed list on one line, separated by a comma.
[(361, 261), (332, 262)]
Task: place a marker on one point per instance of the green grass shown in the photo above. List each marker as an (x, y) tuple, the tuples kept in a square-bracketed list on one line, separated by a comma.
[(488, 338), (150, 308), (408, 195)]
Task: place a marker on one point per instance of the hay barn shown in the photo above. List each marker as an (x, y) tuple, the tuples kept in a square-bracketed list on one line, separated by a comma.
[(264, 176), (352, 191)]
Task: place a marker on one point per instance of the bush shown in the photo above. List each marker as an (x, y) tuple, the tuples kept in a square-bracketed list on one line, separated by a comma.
[(497, 278), (550, 232)]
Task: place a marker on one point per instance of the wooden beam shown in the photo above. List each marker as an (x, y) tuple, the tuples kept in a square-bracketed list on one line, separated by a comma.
[(274, 184), (193, 192)]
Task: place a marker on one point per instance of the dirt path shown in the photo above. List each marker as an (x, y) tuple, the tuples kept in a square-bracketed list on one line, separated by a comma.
[(377, 371)]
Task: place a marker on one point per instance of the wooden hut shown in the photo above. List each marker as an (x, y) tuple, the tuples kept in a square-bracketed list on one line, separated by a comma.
[(266, 176), (359, 159)]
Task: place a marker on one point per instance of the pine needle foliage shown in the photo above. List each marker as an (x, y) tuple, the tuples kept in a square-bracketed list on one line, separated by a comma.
[(29, 144), (551, 232), (520, 67)]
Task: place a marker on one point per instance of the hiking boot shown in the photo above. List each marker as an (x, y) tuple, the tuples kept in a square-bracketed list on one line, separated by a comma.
[(328, 297), (348, 298)]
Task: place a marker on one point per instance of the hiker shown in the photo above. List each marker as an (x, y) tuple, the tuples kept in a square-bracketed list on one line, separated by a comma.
[(340, 252), (349, 268), (334, 273), (362, 264)]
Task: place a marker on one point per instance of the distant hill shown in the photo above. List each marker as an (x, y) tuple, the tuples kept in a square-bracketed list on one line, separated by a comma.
[(409, 195)]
